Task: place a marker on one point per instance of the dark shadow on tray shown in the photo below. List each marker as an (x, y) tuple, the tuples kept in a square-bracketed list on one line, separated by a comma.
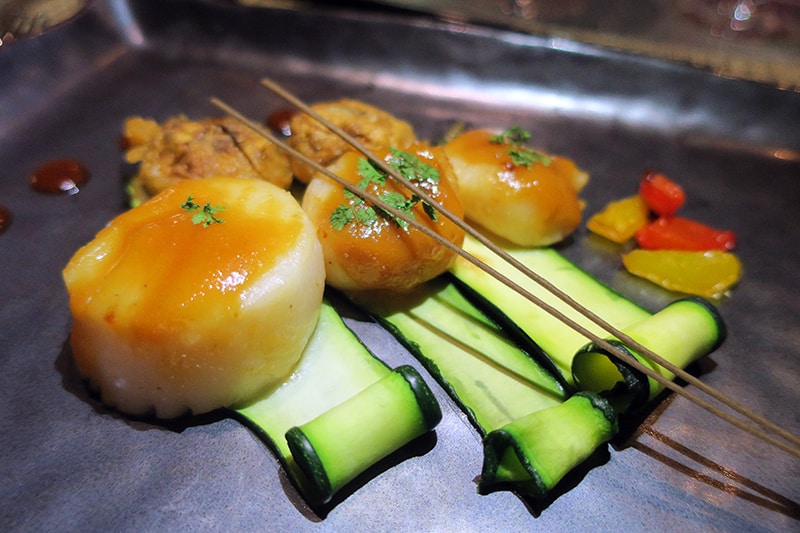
[(633, 428), (74, 383), (728, 481), (416, 448), (631, 423), (317, 512), (536, 506)]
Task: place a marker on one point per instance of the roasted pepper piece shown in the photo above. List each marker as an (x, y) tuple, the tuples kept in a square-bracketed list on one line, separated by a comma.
[(620, 220), (662, 195), (676, 233), (707, 274)]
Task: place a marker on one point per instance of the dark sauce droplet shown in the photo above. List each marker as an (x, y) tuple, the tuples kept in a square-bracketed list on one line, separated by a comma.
[(5, 218), (60, 176), (279, 121)]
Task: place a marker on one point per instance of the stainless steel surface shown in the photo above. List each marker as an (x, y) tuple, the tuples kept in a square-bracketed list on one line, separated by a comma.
[(745, 39), (70, 464), (24, 18)]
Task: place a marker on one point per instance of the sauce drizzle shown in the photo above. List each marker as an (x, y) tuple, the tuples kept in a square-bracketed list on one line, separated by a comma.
[(279, 121), (5, 218), (59, 176)]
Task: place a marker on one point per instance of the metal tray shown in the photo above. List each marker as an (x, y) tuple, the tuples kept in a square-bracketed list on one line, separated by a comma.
[(70, 464)]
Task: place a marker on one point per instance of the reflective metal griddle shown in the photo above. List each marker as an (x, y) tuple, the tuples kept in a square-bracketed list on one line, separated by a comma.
[(69, 463)]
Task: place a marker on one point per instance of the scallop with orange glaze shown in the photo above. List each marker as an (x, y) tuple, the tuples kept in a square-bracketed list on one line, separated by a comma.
[(365, 249), (528, 198), (179, 307)]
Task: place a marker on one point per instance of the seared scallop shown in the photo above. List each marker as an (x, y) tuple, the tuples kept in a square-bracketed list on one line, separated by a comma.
[(525, 196), (367, 249), (373, 127), (203, 297)]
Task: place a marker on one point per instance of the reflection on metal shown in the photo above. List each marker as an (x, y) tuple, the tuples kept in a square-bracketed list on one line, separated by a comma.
[(24, 18)]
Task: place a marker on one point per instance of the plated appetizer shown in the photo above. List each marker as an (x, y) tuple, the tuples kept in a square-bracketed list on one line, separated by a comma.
[(208, 295)]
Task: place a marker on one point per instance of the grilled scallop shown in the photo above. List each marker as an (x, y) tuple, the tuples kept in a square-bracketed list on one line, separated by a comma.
[(373, 127), (180, 306), (529, 198), (366, 249)]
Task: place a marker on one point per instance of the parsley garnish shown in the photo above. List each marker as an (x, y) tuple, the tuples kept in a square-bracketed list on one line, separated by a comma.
[(519, 154), (513, 135), (410, 167), (526, 157), (205, 215)]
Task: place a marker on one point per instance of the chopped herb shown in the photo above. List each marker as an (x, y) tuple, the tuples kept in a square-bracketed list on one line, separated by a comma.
[(524, 156), (342, 216), (370, 173), (205, 215), (410, 167), (512, 135), (519, 154)]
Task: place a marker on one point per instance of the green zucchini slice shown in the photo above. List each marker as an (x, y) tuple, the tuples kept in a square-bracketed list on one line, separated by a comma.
[(490, 377), (559, 341), (337, 446), (532, 454), (681, 333), (513, 400), (341, 411)]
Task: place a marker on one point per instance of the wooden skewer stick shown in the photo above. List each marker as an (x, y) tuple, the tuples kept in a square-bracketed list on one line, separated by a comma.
[(500, 277), (544, 283)]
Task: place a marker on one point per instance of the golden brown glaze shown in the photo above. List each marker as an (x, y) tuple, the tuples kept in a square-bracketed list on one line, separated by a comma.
[(373, 127), (182, 149), (380, 254), (529, 206), (171, 315)]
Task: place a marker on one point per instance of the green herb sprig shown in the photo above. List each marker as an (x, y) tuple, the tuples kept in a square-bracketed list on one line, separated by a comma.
[(520, 155), (205, 215), (410, 167)]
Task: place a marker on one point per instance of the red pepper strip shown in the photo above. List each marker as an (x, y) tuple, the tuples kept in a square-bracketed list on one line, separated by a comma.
[(675, 233), (662, 195)]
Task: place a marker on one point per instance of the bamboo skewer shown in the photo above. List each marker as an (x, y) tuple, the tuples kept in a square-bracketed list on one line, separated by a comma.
[(794, 450)]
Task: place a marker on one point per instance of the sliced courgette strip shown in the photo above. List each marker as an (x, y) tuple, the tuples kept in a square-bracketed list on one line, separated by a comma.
[(340, 444), (330, 393), (558, 340), (491, 378), (682, 332), (534, 432), (532, 454)]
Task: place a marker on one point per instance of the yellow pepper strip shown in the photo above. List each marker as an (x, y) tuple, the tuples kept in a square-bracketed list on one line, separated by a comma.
[(620, 220), (707, 274)]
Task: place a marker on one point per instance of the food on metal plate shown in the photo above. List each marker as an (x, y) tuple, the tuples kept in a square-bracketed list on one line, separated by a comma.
[(181, 149), (170, 301), (525, 196), (367, 248), (710, 274), (373, 127), (676, 253), (678, 233), (662, 195), (619, 220)]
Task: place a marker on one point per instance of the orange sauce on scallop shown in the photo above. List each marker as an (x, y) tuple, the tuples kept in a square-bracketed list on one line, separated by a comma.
[(378, 251), (549, 180), (164, 271)]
